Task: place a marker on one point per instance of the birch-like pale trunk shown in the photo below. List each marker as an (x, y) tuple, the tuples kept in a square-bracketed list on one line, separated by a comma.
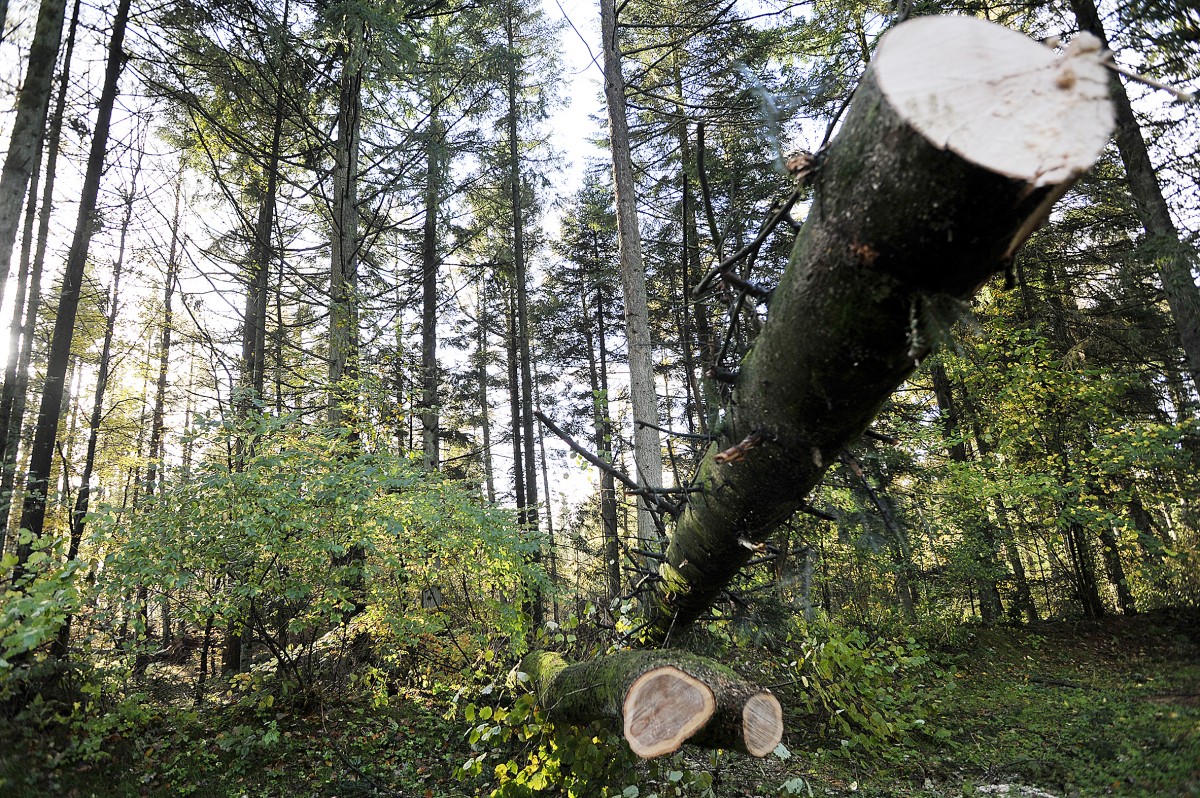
[(647, 449)]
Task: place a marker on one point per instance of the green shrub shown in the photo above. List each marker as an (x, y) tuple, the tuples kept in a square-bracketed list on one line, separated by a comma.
[(868, 693)]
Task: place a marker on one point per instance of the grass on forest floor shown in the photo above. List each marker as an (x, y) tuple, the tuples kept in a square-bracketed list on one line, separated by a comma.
[(1087, 708), (1109, 707)]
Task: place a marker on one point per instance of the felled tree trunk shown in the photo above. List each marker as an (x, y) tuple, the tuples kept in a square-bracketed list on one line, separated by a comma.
[(959, 140), (663, 698)]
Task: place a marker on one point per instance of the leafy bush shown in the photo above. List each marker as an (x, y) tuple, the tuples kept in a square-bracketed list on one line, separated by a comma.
[(868, 693), (33, 611), (517, 751), (306, 532), (522, 754)]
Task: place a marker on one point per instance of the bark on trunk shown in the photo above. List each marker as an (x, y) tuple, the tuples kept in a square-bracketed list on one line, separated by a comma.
[(29, 126), (33, 513), (430, 402), (343, 280), (647, 452), (959, 140), (979, 529), (83, 498), (254, 330), (154, 467), (530, 516), (485, 422), (597, 350), (1175, 260), (663, 699), (16, 373)]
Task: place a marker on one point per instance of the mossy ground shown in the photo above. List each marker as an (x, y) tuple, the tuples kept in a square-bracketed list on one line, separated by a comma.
[(1108, 707), (1089, 708)]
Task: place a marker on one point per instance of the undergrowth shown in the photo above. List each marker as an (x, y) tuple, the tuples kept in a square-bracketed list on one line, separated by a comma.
[(1099, 708)]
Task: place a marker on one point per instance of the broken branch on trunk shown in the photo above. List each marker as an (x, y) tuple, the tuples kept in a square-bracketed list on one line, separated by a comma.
[(675, 433), (891, 440), (808, 509)]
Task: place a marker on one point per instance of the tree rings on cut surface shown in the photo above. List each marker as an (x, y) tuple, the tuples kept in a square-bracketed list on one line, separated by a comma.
[(998, 98), (663, 708), (762, 724)]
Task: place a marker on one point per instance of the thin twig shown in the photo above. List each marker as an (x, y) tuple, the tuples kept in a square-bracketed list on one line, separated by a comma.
[(620, 475), (1179, 94), (882, 438), (655, 502), (837, 116), (813, 511), (667, 491), (720, 268), (706, 193), (745, 286)]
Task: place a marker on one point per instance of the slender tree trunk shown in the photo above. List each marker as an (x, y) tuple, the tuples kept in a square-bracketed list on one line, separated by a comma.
[(521, 280), (29, 126), (14, 346), (602, 431), (1110, 550), (485, 423), (189, 411), (20, 348), (1083, 570), (254, 321), (430, 401), (1024, 603), (154, 466), (42, 452), (1175, 260), (254, 328), (397, 384), (343, 285), (541, 439), (979, 532), (514, 410), (902, 563), (280, 333), (65, 442), (689, 264), (82, 499), (205, 648), (646, 447)]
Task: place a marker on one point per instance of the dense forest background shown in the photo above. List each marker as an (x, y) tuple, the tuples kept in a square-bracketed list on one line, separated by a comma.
[(287, 284)]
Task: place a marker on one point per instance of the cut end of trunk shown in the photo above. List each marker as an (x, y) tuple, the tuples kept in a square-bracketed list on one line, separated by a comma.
[(997, 98), (663, 708), (762, 724)]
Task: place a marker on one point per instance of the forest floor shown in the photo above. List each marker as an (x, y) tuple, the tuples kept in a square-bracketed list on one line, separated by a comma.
[(1064, 709), (1057, 709)]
